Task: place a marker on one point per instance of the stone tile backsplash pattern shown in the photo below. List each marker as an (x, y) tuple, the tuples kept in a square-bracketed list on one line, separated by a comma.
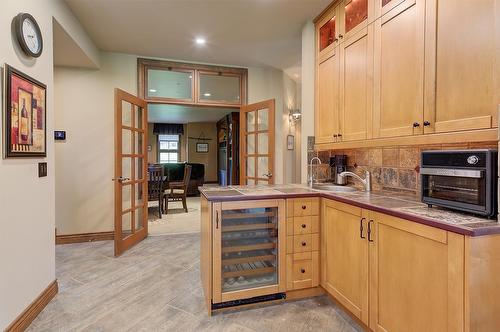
[(395, 168)]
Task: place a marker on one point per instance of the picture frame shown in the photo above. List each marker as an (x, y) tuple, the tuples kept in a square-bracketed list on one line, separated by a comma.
[(202, 147), (24, 115), (290, 142)]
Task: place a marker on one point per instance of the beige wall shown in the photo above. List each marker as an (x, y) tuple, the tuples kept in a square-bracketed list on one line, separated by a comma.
[(27, 203), (84, 107), (209, 130)]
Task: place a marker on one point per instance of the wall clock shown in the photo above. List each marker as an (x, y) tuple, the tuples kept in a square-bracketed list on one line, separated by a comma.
[(28, 34)]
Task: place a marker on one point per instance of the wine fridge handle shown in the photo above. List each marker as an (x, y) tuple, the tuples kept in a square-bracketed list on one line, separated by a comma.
[(217, 219)]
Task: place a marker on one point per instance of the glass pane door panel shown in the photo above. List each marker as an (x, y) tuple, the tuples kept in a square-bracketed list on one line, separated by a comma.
[(251, 166), (263, 141), (127, 114), (251, 144), (127, 168), (138, 169), (138, 141), (249, 248), (126, 141), (139, 215), (170, 84), (219, 88), (126, 197), (251, 121), (138, 195), (356, 12), (263, 119), (126, 225), (263, 166), (327, 34), (250, 181), (138, 117)]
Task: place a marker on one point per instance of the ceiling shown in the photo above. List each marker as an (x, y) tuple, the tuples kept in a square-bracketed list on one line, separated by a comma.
[(238, 32), (164, 113)]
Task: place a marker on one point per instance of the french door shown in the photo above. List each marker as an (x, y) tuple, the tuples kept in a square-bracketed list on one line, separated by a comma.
[(257, 143), (131, 180)]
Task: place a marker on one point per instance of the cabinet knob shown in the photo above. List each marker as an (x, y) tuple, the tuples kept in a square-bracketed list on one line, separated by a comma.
[(340, 135), (303, 207), (416, 124), (335, 135), (302, 271), (304, 243), (427, 123), (303, 225)]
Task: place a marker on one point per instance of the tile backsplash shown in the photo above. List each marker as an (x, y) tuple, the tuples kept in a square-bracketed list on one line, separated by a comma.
[(395, 168)]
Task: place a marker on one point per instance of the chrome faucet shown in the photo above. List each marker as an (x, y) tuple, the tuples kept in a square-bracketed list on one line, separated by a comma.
[(311, 176), (367, 181)]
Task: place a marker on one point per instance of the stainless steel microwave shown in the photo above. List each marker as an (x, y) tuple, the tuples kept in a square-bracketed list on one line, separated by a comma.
[(464, 180)]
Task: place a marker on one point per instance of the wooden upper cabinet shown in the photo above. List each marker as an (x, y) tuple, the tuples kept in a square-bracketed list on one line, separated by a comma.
[(462, 64), (327, 99), (327, 31), (356, 15), (399, 70), (356, 86), (344, 263), (416, 277)]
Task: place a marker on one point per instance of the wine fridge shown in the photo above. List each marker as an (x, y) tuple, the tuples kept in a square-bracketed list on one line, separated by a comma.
[(248, 249)]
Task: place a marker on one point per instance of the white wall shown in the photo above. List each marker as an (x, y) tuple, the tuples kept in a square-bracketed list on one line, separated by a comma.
[(307, 94), (27, 202)]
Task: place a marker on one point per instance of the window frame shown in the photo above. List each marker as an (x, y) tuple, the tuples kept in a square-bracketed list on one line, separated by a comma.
[(177, 151)]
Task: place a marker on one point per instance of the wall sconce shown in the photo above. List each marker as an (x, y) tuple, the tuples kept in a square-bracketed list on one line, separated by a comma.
[(295, 115)]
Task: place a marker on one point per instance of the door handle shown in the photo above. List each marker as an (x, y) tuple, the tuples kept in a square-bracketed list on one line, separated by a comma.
[(121, 179), (216, 219), (370, 231), (268, 175), (361, 228)]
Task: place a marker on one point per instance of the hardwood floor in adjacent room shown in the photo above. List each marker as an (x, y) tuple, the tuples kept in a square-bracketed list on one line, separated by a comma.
[(156, 287)]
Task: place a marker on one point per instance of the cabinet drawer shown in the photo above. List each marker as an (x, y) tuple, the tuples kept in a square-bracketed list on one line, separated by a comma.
[(302, 243), (302, 270), (303, 207), (305, 225)]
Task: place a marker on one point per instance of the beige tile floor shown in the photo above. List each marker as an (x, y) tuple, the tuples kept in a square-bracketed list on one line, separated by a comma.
[(156, 287)]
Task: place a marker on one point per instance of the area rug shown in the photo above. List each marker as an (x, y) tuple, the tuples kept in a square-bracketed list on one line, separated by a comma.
[(176, 221)]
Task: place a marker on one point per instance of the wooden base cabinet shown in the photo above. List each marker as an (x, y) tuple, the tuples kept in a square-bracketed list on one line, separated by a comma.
[(416, 276)]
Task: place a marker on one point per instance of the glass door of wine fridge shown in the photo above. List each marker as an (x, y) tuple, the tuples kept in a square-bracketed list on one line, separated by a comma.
[(249, 249)]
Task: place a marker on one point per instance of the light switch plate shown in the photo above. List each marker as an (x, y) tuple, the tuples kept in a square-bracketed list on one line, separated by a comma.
[(42, 170)]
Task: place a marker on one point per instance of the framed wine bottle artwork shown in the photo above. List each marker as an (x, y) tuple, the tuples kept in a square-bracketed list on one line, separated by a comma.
[(25, 115)]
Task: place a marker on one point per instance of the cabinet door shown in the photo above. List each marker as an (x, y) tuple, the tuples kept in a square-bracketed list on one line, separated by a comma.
[(344, 257), (416, 276), (399, 71), (462, 64), (327, 30), (327, 99), (356, 85), (249, 249)]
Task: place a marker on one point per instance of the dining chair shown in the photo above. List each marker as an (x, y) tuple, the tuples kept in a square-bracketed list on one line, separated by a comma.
[(155, 185), (177, 191)]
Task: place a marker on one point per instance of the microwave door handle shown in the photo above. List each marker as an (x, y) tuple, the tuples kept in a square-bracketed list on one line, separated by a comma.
[(463, 173)]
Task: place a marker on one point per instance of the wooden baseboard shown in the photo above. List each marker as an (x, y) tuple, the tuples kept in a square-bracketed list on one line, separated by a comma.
[(303, 293), (24, 320), (84, 237)]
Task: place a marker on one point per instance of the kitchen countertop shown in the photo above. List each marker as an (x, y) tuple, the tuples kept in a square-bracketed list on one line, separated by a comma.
[(398, 204)]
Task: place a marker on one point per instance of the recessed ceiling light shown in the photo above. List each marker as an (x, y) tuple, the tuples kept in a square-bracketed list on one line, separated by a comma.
[(152, 90), (207, 94), (201, 41)]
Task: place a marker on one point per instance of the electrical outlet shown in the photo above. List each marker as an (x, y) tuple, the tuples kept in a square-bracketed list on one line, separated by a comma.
[(42, 169)]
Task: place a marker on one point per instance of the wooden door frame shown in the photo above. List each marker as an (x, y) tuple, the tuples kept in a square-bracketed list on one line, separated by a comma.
[(267, 104), (123, 244)]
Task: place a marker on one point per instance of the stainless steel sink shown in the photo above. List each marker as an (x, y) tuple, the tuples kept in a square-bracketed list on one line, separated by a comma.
[(333, 188)]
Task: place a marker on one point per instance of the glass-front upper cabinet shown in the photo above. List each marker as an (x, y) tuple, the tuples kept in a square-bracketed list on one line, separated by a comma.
[(219, 88), (175, 84), (327, 32), (355, 15)]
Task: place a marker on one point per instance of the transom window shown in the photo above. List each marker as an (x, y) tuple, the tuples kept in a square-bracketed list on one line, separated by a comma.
[(168, 148)]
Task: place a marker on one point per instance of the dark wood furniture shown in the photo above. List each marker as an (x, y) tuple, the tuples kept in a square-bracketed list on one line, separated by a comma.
[(228, 153), (155, 186), (177, 191)]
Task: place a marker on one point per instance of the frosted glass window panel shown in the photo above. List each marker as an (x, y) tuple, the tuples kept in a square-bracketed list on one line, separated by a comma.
[(170, 84), (263, 166), (219, 88), (251, 144), (251, 167), (263, 142), (126, 114), (263, 119), (251, 121)]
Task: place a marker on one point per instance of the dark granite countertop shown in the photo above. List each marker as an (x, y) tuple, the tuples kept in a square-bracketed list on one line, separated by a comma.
[(398, 204)]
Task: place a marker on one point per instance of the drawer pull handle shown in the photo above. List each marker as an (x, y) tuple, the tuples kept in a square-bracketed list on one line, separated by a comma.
[(304, 243), (303, 207), (303, 225), (361, 228), (370, 231), (302, 271)]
